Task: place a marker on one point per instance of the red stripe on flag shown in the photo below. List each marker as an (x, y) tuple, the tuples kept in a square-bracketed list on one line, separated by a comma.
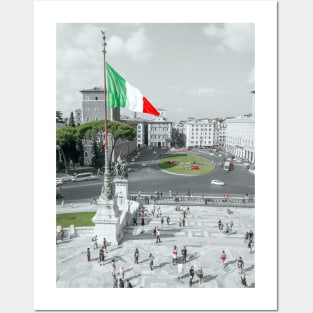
[(149, 108)]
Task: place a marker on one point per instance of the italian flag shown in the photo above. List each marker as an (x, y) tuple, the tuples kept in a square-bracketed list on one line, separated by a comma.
[(121, 94)]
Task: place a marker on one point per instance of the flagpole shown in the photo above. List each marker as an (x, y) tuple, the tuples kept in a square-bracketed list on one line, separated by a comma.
[(106, 190)]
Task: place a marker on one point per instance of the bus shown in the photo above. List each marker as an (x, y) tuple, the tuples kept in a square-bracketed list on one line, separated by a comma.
[(84, 176)]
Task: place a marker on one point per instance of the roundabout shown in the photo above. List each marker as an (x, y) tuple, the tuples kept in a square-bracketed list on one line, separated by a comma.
[(185, 164)]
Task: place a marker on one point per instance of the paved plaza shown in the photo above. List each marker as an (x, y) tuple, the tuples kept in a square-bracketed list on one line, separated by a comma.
[(201, 236)]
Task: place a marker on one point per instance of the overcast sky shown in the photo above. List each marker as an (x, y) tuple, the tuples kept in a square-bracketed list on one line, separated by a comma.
[(190, 70)]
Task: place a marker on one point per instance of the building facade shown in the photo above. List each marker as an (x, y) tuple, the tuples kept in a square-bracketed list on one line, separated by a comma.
[(142, 134), (204, 133), (240, 138), (159, 131), (93, 106)]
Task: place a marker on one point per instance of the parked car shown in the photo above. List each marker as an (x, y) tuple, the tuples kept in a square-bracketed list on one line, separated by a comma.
[(59, 182), (217, 182)]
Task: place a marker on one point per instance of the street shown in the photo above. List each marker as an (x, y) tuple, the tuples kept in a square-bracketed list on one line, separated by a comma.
[(145, 175)]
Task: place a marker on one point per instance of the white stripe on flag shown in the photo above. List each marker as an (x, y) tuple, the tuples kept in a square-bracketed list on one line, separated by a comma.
[(134, 98)]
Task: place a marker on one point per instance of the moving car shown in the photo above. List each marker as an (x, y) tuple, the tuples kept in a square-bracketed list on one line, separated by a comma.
[(84, 177), (217, 182)]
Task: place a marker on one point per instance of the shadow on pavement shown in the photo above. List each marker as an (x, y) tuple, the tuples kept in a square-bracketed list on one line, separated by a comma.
[(162, 264), (133, 277), (207, 278), (249, 268)]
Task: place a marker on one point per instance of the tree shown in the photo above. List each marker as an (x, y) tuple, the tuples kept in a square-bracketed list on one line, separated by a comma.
[(71, 120), (67, 138), (81, 152), (118, 131)]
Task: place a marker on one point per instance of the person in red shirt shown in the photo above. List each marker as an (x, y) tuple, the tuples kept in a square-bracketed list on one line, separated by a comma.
[(174, 255), (223, 257)]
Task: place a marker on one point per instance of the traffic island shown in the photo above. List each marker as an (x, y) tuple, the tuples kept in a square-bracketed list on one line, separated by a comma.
[(184, 164)]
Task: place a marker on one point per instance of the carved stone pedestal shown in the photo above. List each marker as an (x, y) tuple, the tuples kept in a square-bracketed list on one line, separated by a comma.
[(107, 222)]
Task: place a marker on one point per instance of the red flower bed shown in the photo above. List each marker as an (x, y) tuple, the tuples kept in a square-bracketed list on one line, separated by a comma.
[(195, 167)]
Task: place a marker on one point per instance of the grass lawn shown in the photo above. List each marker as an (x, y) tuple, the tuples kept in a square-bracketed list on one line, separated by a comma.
[(76, 219), (186, 164)]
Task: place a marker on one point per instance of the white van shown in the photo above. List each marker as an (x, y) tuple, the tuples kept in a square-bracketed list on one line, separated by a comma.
[(84, 176)]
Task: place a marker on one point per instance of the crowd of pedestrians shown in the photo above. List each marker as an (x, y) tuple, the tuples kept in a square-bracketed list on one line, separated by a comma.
[(179, 259)]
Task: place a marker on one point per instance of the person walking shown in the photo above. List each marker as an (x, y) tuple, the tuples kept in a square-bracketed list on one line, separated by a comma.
[(184, 254), (243, 281), (88, 255), (250, 244), (128, 284), (142, 222), (151, 258), (95, 243), (200, 275), (62, 233), (122, 272), (191, 275), (101, 256), (180, 269), (246, 237), (168, 221), (113, 268), (174, 255), (134, 221), (115, 282), (227, 230), (158, 235), (219, 223), (105, 244), (240, 264), (231, 223), (184, 221), (121, 283), (188, 210), (251, 235), (162, 221), (223, 257), (136, 255)]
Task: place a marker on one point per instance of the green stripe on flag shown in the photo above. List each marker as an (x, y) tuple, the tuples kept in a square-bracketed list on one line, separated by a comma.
[(116, 88)]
